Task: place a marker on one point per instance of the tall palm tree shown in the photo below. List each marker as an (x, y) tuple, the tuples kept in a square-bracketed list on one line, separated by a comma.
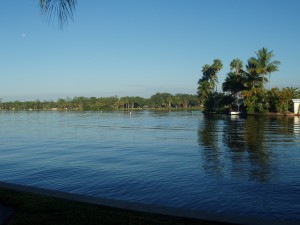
[(263, 64), (236, 65), (253, 79), (216, 67), (63, 9), (210, 73), (206, 71), (204, 90), (234, 84)]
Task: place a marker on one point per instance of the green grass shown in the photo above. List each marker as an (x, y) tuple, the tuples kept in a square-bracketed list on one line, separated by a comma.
[(33, 209)]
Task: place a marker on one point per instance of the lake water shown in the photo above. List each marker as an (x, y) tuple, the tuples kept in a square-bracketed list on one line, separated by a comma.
[(240, 165)]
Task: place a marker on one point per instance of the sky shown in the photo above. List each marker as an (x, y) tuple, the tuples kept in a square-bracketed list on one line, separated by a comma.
[(140, 47)]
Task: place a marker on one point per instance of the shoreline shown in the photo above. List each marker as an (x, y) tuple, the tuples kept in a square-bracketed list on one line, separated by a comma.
[(192, 109), (254, 114), (219, 218)]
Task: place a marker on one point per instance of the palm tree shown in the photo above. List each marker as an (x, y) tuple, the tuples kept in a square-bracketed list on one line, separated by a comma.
[(253, 79), (263, 64), (206, 71), (216, 67), (63, 9), (209, 80), (204, 90), (236, 65), (234, 84)]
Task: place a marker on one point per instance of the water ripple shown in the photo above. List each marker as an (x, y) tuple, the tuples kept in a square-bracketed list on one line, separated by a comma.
[(242, 165)]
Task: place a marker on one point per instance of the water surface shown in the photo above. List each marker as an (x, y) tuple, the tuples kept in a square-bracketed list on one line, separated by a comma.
[(241, 165)]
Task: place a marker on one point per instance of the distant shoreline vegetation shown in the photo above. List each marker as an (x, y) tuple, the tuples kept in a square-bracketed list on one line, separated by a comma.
[(160, 101), (243, 91)]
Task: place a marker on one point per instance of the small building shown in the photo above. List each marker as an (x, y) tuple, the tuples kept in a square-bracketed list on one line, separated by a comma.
[(296, 106)]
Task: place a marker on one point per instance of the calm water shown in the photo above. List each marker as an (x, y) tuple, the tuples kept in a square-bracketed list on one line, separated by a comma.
[(246, 166)]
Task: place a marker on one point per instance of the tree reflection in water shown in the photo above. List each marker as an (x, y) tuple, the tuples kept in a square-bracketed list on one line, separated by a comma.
[(208, 138), (243, 147), (246, 139)]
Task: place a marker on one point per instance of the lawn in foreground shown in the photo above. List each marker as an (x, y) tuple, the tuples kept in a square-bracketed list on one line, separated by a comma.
[(33, 209)]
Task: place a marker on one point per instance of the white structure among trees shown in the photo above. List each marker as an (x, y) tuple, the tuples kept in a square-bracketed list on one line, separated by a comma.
[(296, 106)]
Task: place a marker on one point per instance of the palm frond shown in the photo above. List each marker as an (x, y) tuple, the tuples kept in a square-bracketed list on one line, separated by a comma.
[(63, 9)]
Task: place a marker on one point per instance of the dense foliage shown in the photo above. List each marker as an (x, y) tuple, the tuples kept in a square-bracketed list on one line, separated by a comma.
[(157, 101), (244, 88)]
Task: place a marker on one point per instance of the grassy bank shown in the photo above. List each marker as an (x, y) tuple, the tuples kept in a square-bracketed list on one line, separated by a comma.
[(33, 209)]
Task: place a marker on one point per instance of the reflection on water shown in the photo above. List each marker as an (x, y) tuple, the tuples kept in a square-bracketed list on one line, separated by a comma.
[(296, 124), (239, 165), (250, 141), (209, 135)]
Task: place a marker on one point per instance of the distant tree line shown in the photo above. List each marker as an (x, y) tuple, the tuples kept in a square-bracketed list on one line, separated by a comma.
[(156, 101), (244, 87)]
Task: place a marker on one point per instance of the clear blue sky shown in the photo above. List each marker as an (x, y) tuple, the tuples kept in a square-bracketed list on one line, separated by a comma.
[(140, 47)]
